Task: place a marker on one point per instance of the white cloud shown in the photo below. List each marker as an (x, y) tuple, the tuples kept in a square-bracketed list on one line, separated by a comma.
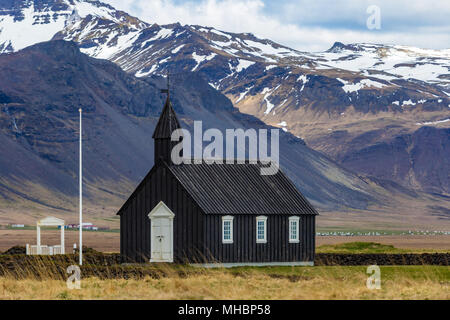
[(307, 25)]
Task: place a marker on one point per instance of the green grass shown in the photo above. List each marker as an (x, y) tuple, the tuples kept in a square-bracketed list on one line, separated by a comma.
[(333, 282), (369, 247), (425, 272), (24, 228), (360, 247)]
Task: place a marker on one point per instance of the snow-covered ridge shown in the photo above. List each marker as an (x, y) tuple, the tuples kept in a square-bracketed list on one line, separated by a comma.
[(389, 62), (384, 62), (249, 70), (26, 25)]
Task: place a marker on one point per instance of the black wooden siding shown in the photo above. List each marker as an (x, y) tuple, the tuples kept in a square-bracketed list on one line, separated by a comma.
[(198, 236), (200, 194), (245, 248), (135, 227)]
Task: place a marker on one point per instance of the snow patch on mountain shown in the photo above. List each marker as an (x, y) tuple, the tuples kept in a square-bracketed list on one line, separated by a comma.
[(244, 64), (283, 124), (220, 33), (390, 62), (303, 78), (408, 103), (174, 51), (432, 122), (26, 24), (243, 94), (199, 59), (23, 33), (267, 92), (355, 87), (142, 73)]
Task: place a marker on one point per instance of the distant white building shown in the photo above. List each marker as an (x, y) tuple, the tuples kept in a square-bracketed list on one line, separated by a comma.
[(86, 226)]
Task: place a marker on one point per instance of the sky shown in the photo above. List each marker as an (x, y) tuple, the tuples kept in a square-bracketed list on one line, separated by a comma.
[(309, 25)]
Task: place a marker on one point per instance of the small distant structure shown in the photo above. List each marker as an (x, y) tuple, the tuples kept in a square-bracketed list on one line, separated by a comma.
[(89, 226), (86, 226), (17, 225), (39, 249)]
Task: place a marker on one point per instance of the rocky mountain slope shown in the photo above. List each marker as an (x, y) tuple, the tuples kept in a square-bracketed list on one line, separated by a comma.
[(26, 22), (360, 89), (42, 88), (353, 102)]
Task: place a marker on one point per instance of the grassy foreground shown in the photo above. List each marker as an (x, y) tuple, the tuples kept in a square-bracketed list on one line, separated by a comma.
[(369, 247), (397, 282)]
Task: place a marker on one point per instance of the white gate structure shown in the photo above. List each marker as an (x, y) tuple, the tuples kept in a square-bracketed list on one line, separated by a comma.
[(44, 249)]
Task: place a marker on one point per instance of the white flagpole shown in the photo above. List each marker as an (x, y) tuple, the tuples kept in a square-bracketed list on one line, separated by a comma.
[(81, 196)]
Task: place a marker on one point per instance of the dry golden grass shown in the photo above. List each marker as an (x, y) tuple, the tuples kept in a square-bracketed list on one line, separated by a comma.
[(399, 282)]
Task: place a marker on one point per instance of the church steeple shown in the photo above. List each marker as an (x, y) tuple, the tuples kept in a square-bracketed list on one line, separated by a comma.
[(167, 123)]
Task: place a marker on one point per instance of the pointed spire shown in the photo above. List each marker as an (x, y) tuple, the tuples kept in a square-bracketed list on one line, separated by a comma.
[(166, 125), (167, 122)]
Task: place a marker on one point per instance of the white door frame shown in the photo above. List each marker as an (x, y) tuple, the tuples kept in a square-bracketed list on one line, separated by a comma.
[(161, 211)]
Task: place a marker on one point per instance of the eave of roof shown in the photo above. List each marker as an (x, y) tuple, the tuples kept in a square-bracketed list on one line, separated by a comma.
[(294, 203), (209, 187)]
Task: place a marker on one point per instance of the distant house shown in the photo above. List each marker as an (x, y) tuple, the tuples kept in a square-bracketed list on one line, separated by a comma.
[(89, 226), (86, 226), (208, 213)]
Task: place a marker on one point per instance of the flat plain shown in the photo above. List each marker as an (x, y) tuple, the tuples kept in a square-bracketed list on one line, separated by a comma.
[(110, 241)]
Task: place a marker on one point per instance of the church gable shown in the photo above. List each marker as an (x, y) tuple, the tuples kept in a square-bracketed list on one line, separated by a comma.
[(152, 191)]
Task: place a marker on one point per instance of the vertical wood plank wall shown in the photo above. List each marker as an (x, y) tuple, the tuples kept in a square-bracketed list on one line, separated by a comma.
[(244, 247), (198, 237), (135, 231)]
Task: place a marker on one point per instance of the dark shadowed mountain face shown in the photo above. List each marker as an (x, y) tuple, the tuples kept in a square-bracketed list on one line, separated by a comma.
[(365, 90), (43, 86), (419, 160), (342, 102)]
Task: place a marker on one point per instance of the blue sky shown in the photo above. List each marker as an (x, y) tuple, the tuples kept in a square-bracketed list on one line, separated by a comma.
[(308, 25)]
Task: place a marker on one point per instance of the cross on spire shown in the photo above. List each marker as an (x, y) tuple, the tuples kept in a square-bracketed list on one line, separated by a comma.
[(168, 121), (166, 125), (168, 85)]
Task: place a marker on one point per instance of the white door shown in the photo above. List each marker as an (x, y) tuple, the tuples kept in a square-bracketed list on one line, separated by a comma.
[(161, 240), (161, 218)]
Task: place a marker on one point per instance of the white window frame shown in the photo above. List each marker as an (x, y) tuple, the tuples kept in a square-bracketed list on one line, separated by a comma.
[(228, 219), (297, 220), (263, 219)]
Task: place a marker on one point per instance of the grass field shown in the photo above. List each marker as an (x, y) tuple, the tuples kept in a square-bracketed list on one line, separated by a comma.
[(110, 241), (186, 282), (370, 247), (397, 282)]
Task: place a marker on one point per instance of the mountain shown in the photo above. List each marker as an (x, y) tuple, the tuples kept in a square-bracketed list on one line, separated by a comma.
[(26, 22), (42, 88), (352, 102), (351, 91), (410, 158)]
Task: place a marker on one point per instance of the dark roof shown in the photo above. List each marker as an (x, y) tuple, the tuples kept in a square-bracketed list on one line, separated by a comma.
[(167, 122), (241, 189)]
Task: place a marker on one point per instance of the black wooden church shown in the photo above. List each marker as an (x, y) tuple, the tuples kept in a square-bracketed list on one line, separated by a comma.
[(214, 213)]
